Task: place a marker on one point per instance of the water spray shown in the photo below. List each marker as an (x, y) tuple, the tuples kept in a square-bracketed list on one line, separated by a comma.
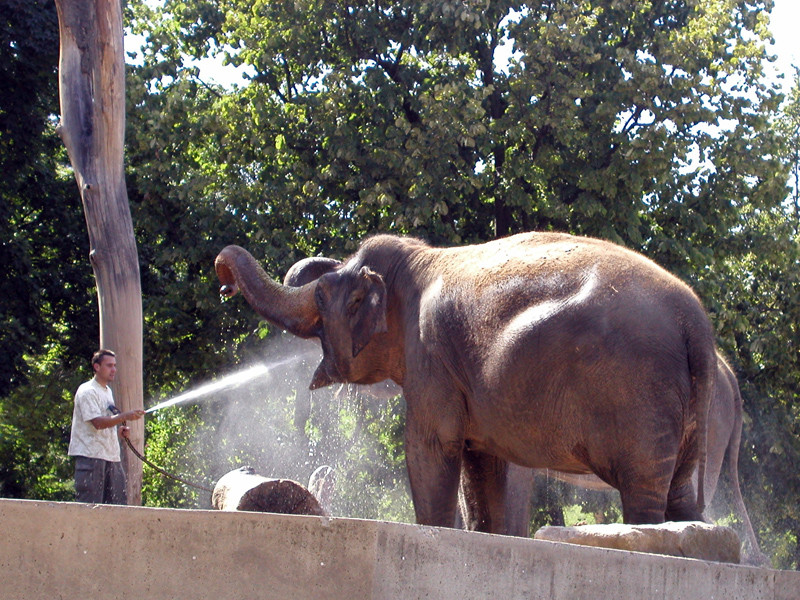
[(229, 381)]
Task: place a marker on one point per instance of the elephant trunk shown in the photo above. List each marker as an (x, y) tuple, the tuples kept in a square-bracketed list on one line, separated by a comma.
[(292, 309)]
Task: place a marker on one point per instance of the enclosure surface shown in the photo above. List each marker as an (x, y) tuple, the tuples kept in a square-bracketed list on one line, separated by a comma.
[(71, 550)]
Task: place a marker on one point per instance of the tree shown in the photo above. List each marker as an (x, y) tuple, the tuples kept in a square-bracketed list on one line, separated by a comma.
[(48, 320), (92, 91), (412, 118), (789, 129), (762, 300), (45, 288)]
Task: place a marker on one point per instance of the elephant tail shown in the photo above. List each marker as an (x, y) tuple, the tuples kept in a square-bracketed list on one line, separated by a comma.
[(753, 555), (703, 369)]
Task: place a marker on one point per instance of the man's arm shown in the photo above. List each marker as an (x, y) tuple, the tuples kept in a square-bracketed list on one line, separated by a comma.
[(113, 421)]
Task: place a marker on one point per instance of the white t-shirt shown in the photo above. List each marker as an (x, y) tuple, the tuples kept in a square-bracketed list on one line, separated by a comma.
[(92, 400)]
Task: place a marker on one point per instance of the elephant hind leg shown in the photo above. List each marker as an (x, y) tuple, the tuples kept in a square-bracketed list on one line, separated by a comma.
[(682, 500), (519, 489), (665, 500), (642, 506), (644, 491), (682, 504), (483, 485)]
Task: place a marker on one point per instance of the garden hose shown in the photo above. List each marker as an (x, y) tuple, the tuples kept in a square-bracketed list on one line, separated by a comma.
[(116, 411)]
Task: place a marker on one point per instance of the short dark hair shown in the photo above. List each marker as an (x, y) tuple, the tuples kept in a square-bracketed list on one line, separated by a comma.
[(97, 357)]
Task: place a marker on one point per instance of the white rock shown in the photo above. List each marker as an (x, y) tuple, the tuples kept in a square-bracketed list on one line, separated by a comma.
[(687, 539)]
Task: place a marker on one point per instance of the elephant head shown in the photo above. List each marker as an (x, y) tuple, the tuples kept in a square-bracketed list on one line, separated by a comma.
[(344, 307), (309, 269)]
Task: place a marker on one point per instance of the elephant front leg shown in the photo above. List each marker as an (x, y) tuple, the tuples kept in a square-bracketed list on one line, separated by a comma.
[(519, 490), (483, 483), (434, 466)]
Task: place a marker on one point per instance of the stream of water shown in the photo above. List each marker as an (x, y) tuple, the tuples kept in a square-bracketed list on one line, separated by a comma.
[(228, 382)]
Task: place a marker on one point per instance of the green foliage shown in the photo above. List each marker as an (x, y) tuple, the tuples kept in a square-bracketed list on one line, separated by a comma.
[(413, 119), (35, 425), (48, 320), (789, 131), (368, 455), (169, 440), (557, 503), (47, 285)]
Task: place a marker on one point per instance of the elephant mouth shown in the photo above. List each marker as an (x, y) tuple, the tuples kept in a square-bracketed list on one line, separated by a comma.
[(327, 373), (229, 290)]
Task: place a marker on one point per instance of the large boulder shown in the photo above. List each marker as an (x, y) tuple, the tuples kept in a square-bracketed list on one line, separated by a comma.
[(686, 539)]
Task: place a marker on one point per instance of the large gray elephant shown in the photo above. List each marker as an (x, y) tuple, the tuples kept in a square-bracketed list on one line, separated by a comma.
[(724, 438), (542, 349)]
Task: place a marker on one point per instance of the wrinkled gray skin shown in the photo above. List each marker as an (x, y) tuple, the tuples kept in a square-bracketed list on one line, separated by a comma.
[(724, 437), (541, 349)]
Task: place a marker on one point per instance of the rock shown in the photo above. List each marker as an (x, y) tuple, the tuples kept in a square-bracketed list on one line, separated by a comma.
[(322, 484), (243, 489), (686, 539)]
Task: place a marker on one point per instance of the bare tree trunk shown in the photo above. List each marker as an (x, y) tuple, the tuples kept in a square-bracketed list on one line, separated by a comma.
[(92, 93)]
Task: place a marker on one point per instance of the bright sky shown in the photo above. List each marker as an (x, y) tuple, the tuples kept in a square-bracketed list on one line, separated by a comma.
[(784, 23)]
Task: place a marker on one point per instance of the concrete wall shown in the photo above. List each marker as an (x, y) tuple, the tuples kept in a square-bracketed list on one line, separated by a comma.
[(69, 550)]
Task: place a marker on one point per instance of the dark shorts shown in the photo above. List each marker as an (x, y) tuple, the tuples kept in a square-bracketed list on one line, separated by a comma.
[(99, 481)]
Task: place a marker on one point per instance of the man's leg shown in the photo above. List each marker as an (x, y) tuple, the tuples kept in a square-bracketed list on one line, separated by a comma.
[(89, 479), (116, 484)]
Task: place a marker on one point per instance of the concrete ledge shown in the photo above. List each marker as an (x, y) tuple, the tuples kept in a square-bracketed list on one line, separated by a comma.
[(70, 550)]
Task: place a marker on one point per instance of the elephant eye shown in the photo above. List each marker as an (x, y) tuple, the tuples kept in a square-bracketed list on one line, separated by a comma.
[(353, 304), (319, 297)]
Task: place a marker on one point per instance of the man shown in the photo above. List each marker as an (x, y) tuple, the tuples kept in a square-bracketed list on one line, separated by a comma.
[(99, 476)]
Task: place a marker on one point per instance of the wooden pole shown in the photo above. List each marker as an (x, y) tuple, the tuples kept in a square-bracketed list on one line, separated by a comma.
[(92, 97)]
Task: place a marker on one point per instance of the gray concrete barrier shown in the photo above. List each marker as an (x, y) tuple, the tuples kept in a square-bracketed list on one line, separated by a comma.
[(68, 550)]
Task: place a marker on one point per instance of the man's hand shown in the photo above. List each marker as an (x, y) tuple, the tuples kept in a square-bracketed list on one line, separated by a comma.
[(132, 415)]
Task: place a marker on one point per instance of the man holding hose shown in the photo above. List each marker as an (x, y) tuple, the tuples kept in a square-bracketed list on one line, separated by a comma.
[(99, 476)]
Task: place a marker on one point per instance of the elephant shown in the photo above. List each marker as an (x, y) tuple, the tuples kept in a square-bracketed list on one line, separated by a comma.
[(724, 437), (542, 349)]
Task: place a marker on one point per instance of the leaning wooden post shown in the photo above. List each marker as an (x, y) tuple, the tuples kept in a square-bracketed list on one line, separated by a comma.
[(92, 95)]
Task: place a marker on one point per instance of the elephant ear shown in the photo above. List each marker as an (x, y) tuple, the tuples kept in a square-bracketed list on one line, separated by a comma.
[(366, 308), (309, 269)]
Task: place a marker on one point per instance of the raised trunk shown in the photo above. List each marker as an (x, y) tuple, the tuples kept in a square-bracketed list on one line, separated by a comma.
[(92, 94), (291, 308)]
